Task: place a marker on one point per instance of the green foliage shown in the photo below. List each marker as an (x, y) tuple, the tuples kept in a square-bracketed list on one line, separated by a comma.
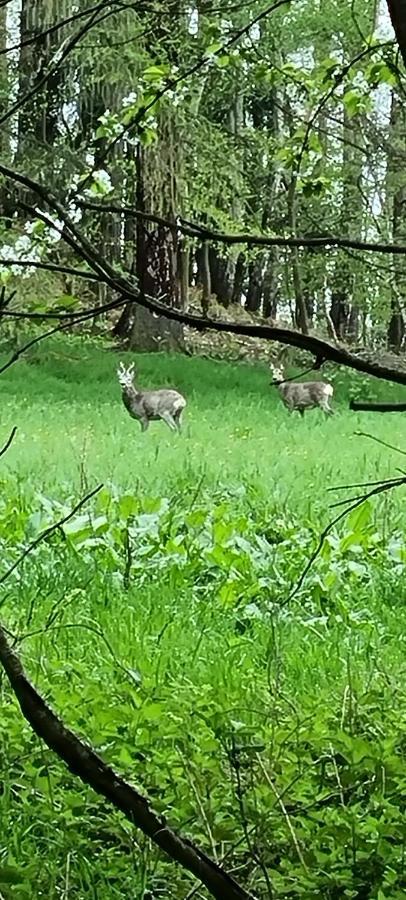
[(154, 624)]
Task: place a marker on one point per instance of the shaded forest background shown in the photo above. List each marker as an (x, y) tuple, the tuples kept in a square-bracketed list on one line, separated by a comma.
[(279, 120)]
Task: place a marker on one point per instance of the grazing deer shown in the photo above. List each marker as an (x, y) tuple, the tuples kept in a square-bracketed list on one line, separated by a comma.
[(304, 395), (148, 406)]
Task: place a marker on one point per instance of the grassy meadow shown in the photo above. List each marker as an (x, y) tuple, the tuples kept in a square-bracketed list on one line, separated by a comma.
[(271, 733)]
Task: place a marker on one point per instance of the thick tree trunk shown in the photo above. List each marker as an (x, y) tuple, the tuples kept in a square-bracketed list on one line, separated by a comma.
[(221, 276), (255, 284), (339, 312), (397, 12), (157, 276), (396, 328)]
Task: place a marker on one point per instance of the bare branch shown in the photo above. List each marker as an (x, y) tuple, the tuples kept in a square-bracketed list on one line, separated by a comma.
[(50, 267), (47, 532), (361, 406), (9, 441), (117, 282), (82, 761), (354, 503), (193, 229), (378, 440), (52, 29)]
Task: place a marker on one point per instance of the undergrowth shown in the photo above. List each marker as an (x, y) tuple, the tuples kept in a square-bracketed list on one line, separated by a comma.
[(155, 623)]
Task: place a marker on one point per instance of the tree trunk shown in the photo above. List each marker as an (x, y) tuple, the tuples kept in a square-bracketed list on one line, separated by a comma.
[(396, 328), (157, 276), (353, 324), (221, 276), (239, 277), (255, 285), (38, 120), (206, 282), (397, 195), (183, 268), (339, 312), (271, 285), (351, 223), (5, 150), (397, 12)]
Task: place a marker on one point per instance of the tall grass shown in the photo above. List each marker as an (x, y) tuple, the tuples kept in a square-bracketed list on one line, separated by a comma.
[(271, 734)]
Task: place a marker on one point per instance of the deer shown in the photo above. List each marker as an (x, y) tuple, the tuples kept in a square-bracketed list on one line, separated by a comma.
[(304, 395), (149, 406)]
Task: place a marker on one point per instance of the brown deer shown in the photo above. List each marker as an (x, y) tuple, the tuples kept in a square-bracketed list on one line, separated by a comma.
[(148, 406), (304, 395)]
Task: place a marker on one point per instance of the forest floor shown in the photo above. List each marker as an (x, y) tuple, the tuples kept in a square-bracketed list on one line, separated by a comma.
[(271, 733)]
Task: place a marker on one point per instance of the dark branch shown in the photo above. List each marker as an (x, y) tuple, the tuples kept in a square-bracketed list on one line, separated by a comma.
[(360, 406), (353, 502), (397, 12), (48, 531), (82, 761), (50, 267), (372, 437), (9, 441), (117, 282), (52, 29), (193, 229)]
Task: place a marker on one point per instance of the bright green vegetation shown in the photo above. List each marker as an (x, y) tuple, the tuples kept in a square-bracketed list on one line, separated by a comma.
[(273, 735)]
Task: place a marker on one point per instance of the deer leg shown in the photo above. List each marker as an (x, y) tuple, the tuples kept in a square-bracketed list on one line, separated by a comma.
[(166, 417), (178, 419), (327, 409), (302, 412), (144, 424)]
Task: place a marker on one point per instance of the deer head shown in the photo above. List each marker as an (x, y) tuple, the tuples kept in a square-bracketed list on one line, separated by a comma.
[(126, 375), (277, 372)]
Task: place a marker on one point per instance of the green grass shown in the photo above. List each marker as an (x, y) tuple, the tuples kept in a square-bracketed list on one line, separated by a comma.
[(191, 676)]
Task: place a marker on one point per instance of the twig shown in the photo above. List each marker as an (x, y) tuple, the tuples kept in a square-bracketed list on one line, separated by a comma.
[(316, 365), (284, 812), (50, 267), (334, 762), (47, 532), (359, 484), (199, 803), (9, 441), (384, 486), (52, 28), (378, 440)]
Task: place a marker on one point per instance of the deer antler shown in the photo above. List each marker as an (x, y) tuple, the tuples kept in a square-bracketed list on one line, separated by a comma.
[(125, 374)]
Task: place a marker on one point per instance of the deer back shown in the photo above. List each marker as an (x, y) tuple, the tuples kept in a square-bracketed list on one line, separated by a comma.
[(306, 394)]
